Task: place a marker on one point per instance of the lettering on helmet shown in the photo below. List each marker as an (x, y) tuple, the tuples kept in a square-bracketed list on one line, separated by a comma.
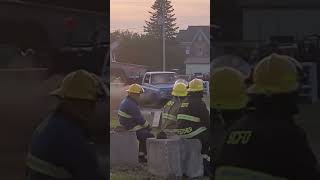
[(239, 137)]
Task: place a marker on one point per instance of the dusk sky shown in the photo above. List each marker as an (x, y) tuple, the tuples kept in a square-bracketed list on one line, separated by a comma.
[(131, 14)]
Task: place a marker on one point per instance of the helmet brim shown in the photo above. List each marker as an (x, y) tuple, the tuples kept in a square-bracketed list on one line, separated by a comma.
[(57, 92)]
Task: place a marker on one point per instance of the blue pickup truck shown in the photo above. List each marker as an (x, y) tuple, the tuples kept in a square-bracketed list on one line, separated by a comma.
[(158, 87)]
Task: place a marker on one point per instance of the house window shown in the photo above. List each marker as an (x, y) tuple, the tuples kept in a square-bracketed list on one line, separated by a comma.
[(200, 52), (188, 50), (147, 79)]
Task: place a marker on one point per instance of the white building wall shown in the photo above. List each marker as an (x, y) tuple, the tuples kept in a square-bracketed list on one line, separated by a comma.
[(259, 24), (197, 68)]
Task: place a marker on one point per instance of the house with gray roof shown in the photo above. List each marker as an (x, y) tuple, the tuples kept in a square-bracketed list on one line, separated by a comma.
[(259, 20), (195, 40), (263, 19)]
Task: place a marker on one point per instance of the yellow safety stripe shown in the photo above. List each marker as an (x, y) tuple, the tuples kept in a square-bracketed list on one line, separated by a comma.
[(184, 104), (235, 173), (190, 134), (169, 116), (169, 103), (138, 127), (146, 123), (188, 118), (123, 114), (47, 168)]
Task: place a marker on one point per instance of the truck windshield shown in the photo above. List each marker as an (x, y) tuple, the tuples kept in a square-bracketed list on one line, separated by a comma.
[(163, 78)]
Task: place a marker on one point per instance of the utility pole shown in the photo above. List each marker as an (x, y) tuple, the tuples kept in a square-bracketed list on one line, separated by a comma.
[(163, 37)]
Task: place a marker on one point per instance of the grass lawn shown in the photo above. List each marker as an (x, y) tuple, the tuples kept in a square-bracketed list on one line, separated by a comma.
[(114, 122), (310, 121)]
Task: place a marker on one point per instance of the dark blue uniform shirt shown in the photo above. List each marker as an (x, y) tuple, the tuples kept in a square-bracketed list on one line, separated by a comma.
[(59, 141)]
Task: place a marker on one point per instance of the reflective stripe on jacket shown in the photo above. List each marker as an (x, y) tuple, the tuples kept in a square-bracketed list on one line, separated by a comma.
[(60, 149), (193, 118), (47, 168), (130, 116), (169, 114)]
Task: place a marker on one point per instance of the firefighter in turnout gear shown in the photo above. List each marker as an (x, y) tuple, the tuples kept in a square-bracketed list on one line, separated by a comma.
[(193, 119), (268, 144), (170, 110), (228, 99), (61, 147), (131, 119), (228, 94)]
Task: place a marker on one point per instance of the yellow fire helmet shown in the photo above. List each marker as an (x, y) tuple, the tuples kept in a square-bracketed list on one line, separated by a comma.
[(181, 81), (195, 85), (179, 89), (227, 89), (135, 88), (79, 84), (275, 74)]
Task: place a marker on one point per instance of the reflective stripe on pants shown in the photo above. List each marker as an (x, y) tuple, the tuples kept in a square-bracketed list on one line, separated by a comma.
[(235, 173), (47, 168)]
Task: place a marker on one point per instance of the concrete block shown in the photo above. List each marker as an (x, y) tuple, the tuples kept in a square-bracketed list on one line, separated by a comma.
[(175, 157), (164, 157), (124, 149), (192, 161)]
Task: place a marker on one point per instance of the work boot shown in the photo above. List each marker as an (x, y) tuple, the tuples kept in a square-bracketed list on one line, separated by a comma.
[(161, 135), (142, 158), (208, 170)]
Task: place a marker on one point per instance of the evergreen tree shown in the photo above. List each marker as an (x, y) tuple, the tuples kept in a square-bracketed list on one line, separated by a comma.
[(153, 27)]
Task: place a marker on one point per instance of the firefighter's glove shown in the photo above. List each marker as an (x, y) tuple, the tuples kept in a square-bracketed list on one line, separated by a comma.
[(161, 135)]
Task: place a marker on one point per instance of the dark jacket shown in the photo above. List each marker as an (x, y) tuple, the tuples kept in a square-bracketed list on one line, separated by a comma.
[(193, 117), (268, 141), (60, 142), (130, 116), (170, 111)]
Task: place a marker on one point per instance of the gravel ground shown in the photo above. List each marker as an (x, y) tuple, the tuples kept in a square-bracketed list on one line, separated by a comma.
[(138, 173)]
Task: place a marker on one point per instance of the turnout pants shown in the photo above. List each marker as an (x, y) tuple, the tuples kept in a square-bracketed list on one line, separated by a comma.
[(142, 136), (204, 138)]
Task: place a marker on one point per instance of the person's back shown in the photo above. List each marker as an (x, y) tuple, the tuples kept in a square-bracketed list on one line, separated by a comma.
[(170, 111), (197, 117), (268, 141), (66, 146), (128, 117), (61, 148), (267, 144)]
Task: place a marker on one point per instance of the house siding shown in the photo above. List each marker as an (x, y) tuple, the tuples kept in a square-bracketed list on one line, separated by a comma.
[(260, 24), (197, 68)]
